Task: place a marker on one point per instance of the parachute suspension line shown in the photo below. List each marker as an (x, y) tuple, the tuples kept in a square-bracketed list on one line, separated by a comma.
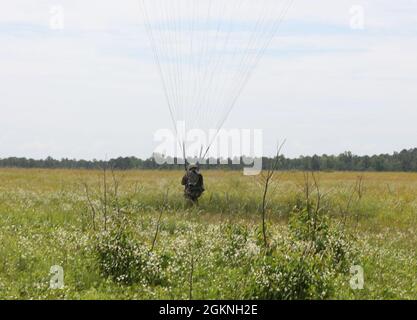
[(163, 24), (172, 27), (184, 154), (223, 97), (158, 57), (204, 58), (253, 35), (227, 90), (158, 60), (218, 63), (251, 66), (216, 89), (247, 65), (250, 61), (258, 58), (191, 24), (181, 56), (206, 52)]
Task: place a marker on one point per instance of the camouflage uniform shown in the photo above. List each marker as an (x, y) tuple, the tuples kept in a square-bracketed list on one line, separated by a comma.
[(194, 184)]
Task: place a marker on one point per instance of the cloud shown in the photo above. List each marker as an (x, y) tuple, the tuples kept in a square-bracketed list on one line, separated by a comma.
[(92, 90)]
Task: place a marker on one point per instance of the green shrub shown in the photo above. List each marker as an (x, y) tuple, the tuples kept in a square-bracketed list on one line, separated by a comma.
[(289, 277), (306, 263), (125, 261), (324, 237)]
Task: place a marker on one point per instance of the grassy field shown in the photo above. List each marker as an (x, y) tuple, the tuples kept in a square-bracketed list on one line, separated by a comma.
[(130, 235)]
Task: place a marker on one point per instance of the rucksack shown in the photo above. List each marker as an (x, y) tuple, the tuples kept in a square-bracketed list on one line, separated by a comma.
[(194, 182)]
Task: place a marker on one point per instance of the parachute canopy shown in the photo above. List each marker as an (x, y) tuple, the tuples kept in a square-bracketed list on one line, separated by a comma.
[(206, 51)]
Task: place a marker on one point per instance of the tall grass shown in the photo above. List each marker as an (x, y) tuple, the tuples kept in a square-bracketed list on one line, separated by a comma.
[(46, 219)]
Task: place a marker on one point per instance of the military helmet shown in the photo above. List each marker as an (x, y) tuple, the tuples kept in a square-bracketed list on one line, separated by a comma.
[(192, 167)]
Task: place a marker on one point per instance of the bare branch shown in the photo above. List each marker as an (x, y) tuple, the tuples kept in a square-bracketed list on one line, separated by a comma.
[(90, 203)]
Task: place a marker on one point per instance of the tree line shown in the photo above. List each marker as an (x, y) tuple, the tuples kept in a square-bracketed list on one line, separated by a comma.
[(406, 160)]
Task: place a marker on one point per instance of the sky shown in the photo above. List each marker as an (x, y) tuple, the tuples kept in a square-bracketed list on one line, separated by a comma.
[(77, 80)]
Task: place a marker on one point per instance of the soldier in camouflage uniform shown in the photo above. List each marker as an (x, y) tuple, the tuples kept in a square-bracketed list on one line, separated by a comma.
[(193, 183)]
